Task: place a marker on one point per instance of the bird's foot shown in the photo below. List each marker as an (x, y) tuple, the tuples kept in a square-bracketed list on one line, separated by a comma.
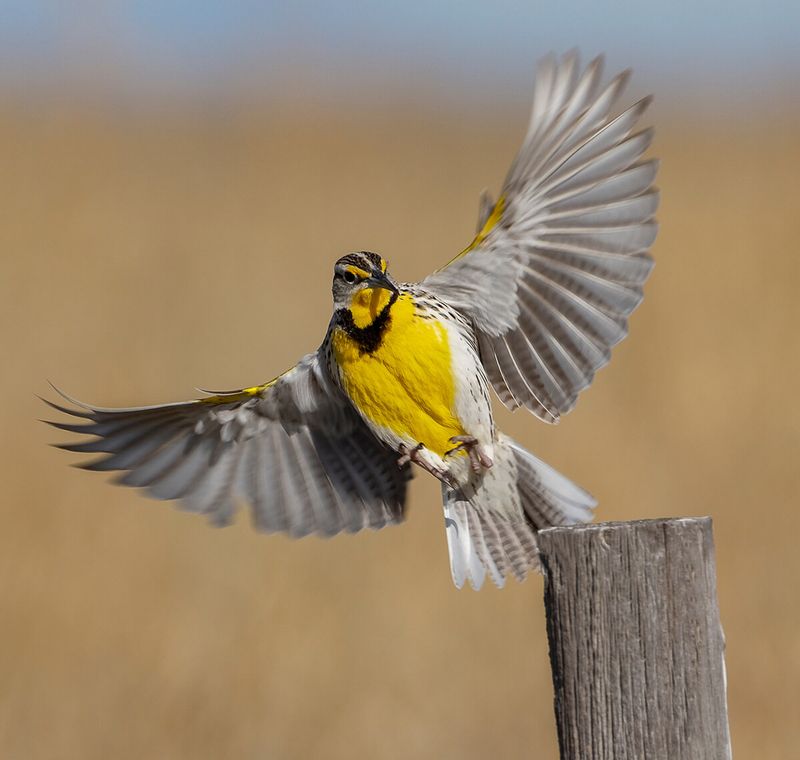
[(478, 458), (412, 455)]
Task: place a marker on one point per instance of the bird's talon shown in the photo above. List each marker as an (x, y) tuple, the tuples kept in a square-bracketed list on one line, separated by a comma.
[(478, 459), (408, 455), (463, 440), (412, 455)]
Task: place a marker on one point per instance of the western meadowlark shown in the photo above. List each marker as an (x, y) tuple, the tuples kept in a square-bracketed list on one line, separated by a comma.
[(531, 308)]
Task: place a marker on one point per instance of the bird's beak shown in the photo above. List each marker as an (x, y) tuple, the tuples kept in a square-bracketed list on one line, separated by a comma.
[(380, 279)]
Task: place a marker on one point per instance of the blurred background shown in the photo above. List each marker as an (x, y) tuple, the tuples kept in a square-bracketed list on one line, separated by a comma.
[(161, 163)]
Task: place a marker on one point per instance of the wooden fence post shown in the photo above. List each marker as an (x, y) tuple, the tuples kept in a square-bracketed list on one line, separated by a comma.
[(636, 646)]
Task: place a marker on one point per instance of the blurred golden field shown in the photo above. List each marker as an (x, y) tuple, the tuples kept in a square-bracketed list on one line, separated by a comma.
[(146, 253)]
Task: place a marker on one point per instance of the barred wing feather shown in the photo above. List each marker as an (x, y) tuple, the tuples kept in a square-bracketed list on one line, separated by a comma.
[(294, 449), (559, 264)]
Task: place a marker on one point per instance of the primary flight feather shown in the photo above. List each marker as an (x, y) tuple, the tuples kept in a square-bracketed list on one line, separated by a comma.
[(530, 308)]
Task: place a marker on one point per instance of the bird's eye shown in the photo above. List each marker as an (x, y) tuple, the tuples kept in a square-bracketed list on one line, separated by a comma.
[(349, 276)]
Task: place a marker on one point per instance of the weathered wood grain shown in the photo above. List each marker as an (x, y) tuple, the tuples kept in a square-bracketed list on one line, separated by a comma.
[(636, 646)]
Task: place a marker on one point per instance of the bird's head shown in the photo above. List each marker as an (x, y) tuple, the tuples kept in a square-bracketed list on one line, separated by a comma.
[(362, 285)]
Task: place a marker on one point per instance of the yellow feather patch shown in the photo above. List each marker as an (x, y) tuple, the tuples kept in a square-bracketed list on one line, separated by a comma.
[(406, 385), (367, 303), (233, 397), (491, 222), (358, 272), (489, 225)]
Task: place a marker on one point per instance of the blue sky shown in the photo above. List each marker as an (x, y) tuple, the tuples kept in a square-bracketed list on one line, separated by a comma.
[(725, 50)]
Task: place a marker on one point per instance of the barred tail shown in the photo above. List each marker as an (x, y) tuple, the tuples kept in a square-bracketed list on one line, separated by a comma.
[(491, 522)]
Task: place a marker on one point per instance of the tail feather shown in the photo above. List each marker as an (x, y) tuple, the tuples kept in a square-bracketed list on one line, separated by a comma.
[(488, 552), (519, 559), (491, 521), (548, 497), (465, 559)]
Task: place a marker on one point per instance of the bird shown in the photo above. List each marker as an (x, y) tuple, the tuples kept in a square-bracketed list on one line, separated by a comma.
[(529, 309)]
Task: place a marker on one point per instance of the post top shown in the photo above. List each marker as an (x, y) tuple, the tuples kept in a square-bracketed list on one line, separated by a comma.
[(630, 525)]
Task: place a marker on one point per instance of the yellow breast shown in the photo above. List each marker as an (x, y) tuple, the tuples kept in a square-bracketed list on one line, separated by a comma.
[(406, 384)]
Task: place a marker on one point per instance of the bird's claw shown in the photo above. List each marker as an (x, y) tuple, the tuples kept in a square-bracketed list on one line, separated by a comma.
[(408, 455), (412, 455), (478, 458)]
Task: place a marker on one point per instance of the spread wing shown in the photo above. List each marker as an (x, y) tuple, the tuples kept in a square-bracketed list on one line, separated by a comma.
[(293, 448), (559, 261)]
